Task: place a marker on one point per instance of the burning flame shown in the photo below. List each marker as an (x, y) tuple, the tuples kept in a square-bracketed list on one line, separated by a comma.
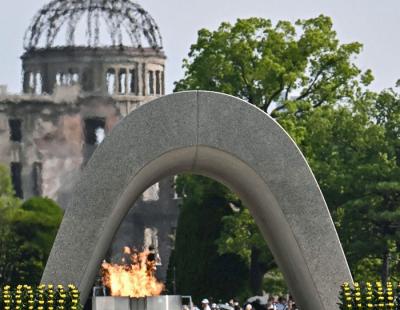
[(135, 277)]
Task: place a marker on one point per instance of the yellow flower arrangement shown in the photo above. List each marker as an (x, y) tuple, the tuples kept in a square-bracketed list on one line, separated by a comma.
[(43, 297), (369, 296)]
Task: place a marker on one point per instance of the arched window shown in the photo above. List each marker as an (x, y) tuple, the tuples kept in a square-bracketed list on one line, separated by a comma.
[(110, 80), (38, 84), (151, 83), (122, 81), (132, 81), (158, 83)]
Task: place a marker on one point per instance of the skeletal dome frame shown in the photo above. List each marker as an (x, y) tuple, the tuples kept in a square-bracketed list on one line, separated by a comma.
[(127, 24)]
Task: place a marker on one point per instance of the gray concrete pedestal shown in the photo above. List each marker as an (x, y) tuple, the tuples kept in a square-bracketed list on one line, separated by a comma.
[(164, 302)]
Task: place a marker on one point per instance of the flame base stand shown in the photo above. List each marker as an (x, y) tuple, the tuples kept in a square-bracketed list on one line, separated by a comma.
[(163, 302)]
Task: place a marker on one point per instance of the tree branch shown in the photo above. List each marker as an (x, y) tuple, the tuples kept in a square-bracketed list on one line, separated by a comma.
[(273, 96), (311, 86)]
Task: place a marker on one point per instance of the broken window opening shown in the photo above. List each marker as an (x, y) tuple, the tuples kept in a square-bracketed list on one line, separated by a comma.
[(16, 177), (110, 78), (158, 83), (150, 242), (58, 79), (15, 130), (132, 81), (100, 135), (38, 84), (31, 82), (87, 80), (37, 178), (122, 81), (64, 79), (94, 130), (151, 83), (67, 79), (75, 78)]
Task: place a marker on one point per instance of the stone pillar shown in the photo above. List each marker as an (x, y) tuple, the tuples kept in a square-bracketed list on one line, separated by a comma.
[(163, 82), (137, 89), (143, 78), (139, 82), (25, 83), (34, 74), (127, 86)]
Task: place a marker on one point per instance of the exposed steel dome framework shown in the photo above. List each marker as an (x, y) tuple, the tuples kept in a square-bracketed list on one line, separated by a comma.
[(126, 22)]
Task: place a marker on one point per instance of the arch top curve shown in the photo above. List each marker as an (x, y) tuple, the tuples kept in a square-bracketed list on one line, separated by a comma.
[(229, 140)]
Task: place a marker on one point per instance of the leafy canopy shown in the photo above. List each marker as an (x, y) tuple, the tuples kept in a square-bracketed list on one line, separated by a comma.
[(27, 232), (275, 67), (304, 77)]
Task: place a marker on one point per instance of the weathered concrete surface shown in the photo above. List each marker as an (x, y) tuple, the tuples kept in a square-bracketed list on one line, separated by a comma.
[(111, 303), (165, 302), (54, 139), (53, 134), (224, 138)]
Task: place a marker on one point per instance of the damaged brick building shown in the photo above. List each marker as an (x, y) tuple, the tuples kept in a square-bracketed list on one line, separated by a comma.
[(73, 94)]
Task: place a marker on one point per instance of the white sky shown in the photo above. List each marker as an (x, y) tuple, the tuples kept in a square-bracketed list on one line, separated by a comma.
[(374, 23)]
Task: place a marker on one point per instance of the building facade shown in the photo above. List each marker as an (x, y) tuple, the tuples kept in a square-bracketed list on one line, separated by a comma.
[(73, 95)]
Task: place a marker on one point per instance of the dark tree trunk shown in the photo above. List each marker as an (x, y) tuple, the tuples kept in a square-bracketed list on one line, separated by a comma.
[(257, 272)]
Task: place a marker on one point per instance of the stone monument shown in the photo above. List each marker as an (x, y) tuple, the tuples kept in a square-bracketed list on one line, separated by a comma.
[(226, 139)]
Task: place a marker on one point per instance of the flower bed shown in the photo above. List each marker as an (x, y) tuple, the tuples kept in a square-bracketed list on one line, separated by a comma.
[(43, 297), (370, 296)]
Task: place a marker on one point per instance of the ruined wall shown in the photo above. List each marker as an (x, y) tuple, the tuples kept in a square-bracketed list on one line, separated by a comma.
[(72, 97), (51, 148), (56, 139)]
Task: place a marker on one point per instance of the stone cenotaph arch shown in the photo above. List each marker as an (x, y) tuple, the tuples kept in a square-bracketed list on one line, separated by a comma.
[(228, 140)]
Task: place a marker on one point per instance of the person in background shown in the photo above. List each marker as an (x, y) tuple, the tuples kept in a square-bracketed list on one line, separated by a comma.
[(281, 305), (214, 306), (271, 303), (205, 304), (292, 304)]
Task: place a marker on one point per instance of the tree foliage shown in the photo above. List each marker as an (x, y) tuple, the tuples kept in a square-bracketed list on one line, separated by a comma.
[(196, 268), (275, 67), (351, 149), (241, 235), (27, 232), (304, 77)]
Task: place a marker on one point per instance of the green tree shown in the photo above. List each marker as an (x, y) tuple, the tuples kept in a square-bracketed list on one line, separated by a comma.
[(7, 197), (287, 70), (241, 235), (196, 268), (8, 245), (353, 150), (27, 232), (277, 67), (370, 217), (34, 224)]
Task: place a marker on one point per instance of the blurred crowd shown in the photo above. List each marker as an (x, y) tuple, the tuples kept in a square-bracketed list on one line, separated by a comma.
[(253, 303)]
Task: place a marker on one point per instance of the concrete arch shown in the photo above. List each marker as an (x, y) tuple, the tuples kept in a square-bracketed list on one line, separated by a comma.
[(229, 140)]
